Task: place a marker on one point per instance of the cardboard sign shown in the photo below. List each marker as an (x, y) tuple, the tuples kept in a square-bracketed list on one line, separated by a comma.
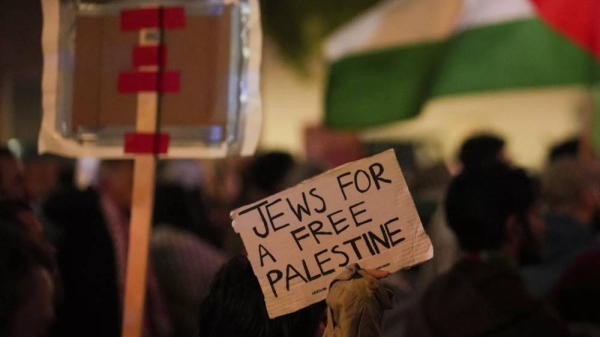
[(95, 70), (299, 240)]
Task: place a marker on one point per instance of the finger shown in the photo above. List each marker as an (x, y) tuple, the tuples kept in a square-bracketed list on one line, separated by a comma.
[(378, 274)]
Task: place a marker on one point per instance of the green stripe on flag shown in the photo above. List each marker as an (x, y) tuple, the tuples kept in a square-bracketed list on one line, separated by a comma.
[(519, 54), (373, 89), (380, 87)]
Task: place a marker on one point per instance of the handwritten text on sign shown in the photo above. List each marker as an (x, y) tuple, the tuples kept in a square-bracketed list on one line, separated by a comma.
[(300, 239)]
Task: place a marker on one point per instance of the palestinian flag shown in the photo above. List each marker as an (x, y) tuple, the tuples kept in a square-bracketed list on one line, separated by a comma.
[(449, 57)]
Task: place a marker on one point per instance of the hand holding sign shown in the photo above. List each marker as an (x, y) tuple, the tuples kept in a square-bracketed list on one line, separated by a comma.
[(300, 239)]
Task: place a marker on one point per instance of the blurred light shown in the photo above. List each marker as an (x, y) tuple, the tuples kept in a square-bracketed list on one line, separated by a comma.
[(14, 145), (87, 172)]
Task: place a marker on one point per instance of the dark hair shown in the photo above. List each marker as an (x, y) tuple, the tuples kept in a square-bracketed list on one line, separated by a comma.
[(480, 201), (19, 255), (235, 307), (480, 150), (566, 149), (269, 170)]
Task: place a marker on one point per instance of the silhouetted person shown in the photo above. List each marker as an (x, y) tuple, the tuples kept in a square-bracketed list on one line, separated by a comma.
[(27, 287), (566, 149), (235, 307), (265, 175), (482, 150), (476, 152), (493, 213), (571, 190), (184, 265), (92, 256)]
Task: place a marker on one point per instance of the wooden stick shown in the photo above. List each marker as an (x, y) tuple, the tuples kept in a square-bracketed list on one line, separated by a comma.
[(141, 216), (139, 236)]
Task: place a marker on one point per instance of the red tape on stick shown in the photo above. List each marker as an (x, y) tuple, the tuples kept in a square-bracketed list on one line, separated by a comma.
[(133, 82), (146, 143), (149, 56), (137, 19)]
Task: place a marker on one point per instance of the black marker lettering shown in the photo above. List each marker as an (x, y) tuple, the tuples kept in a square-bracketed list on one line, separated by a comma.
[(298, 210), (297, 239), (263, 252), (323, 208), (278, 275), (310, 277), (335, 223), (288, 278), (318, 230), (357, 181), (339, 179), (366, 238), (321, 263), (384, 241), (354, 215), (273, 217), (341, 252), (262, 217), (377, 175), (391, 234), (352, 242)]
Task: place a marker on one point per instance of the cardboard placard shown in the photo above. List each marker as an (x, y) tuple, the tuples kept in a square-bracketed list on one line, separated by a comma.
[(299, 240), (200, 51), (212, 52)]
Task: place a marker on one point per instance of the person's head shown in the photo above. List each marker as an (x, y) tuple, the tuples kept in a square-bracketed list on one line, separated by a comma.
[(20, 212), (572, 187), (26, 284), (265, 174), (235, 307), (482, 150), (494, 209), (116, 181), (302, 172), (566, 149), (12, 182)]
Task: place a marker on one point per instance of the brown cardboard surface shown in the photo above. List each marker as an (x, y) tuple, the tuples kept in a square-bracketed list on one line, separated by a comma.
[(361, 212), (200, 51), (87, 73)]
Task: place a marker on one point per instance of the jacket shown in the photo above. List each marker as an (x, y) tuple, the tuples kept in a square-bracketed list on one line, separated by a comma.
[(481, 298), (565, 239)]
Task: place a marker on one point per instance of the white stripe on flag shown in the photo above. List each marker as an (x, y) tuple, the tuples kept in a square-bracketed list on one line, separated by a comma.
[(477, 13), (395, 23)]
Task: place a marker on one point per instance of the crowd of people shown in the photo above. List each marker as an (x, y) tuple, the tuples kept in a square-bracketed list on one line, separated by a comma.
[(516, 254)]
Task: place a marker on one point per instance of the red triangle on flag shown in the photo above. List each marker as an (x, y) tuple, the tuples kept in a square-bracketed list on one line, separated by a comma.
[(579, 20)]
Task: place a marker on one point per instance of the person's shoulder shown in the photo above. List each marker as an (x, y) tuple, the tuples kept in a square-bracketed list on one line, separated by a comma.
[(480, 298), (481, 285)]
